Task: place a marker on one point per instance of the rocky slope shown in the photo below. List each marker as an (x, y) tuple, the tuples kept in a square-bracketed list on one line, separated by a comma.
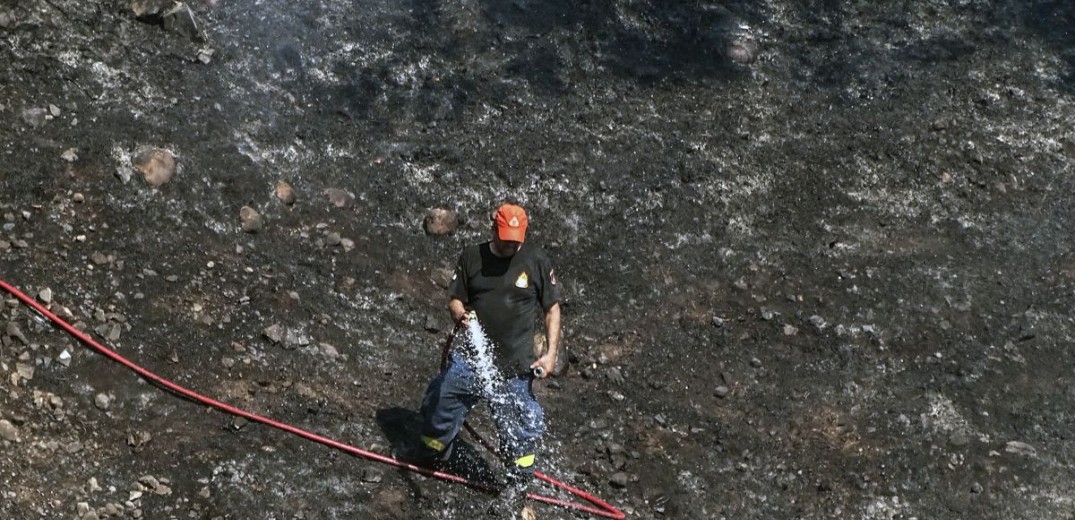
[(816, 255)]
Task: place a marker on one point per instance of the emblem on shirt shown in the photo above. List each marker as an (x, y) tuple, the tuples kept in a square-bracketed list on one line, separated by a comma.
[(522, 281)]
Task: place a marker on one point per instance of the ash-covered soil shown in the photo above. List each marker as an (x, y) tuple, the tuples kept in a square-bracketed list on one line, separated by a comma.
[(817, 255)]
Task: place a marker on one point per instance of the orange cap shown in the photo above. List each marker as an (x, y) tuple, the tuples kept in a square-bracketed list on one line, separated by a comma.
[(510, 223)]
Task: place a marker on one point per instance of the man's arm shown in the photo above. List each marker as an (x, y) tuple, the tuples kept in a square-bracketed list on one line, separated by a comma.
[(547, 361), (456, 309)]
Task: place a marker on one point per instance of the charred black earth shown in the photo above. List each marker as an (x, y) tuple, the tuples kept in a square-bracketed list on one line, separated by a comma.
[(817, 255)]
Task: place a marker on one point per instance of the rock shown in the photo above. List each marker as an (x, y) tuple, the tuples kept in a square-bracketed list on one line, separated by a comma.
[(109, 331), (25, 371), (296, 338), (70, 155), (328, 351), (285, 193), (64, 358), (78, 198), (432, 324), (250, 220), (180, 20), (13, 331), (818, 322), (6, 20), (123, 174), (718, 322), (720, 391), (45, 295), (790, 330), (619, 480), (54, 111), (99, 258), (102, 401), (742, 51), (1020, 448), (958, 439), (976, 488), (755, 362), (8, 431), (333, 239), (340, 198), (440, 222), (156, 165), (371, 476), (274, 333), (35, 117)]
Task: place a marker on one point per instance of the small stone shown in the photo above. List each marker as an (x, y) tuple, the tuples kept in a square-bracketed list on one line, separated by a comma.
[(619, 480), (157, 166), (228, 362), (285, 193), (755, 362), (78, 198), (70, 155), (371, 476), (204, 492), (45, 295), (35, 117), (720, 391), (976, 488), (102, 401), (958, 439), (64, 358), (54, 111), (180, 19), (340, 198), (82, 508), (1020, 448), (333, 239), (718, 322), (790, 330), (13, 331), (328, 351), (99, 258), (8, 431), (440, 222), (25, 371), (250, 219), (274, 333)]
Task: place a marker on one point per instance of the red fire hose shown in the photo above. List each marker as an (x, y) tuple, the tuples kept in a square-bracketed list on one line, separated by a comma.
[(602, 509)]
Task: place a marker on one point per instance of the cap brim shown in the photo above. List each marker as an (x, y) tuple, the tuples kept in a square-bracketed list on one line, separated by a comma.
[(511, 234)]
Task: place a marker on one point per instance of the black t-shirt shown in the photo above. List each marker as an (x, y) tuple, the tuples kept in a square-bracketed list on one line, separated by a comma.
[(506, 294)]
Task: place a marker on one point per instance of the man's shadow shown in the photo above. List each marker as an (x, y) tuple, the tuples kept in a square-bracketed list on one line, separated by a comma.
[(401, 427)]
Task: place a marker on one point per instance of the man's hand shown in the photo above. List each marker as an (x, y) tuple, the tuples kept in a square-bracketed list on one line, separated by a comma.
[(547, 363)]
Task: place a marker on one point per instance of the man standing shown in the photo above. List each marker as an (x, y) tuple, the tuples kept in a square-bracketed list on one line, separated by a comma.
[(501, 284)]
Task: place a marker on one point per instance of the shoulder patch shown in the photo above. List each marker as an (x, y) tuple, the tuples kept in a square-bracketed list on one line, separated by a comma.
[(522, 281)]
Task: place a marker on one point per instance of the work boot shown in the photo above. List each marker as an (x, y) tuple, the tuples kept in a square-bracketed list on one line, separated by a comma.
[(421, 455)]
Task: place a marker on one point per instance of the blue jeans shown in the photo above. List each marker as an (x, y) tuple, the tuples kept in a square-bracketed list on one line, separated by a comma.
[(454, 392)]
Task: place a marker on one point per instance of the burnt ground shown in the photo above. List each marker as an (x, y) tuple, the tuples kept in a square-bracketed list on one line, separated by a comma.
[(817, 255)]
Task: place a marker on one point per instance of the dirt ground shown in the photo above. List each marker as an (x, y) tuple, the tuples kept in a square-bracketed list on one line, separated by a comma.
[(816, 256)]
